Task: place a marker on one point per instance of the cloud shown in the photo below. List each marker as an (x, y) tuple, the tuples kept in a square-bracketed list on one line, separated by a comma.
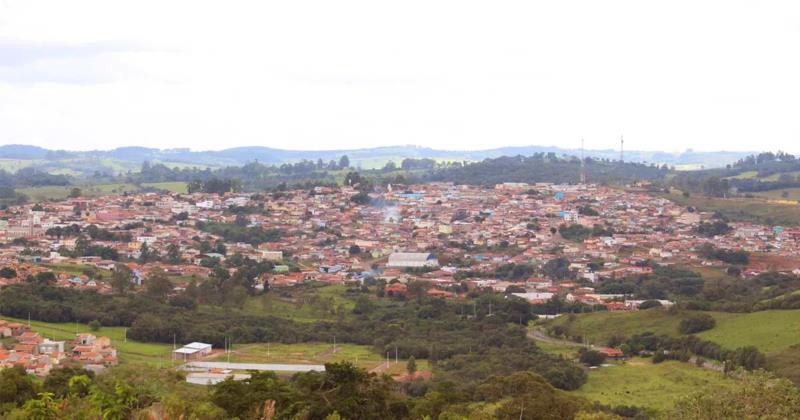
[(24, 62)]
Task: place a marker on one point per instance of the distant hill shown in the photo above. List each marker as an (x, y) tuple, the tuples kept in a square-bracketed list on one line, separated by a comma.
[(14, 157)]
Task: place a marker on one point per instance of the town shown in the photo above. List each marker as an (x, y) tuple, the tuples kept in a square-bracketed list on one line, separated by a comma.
[(445, 235), (524, 253)]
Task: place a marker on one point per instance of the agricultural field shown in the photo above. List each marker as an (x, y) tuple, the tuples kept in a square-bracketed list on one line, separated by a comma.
[(641, 383), (129, 351)]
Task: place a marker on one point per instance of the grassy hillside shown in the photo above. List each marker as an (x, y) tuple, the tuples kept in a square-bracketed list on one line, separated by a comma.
[(598, 327), (641, 383), (742, 209), (770, 331)]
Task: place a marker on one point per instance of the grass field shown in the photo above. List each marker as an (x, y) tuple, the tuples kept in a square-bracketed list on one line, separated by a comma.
[(742, 209), (791, 194), (315, 353), (175, 187), (78, 269), (307, 304), (641, 383), (771, 331), (746, 175), (13, 165), (130, 351), (96, 190), (60, 193)]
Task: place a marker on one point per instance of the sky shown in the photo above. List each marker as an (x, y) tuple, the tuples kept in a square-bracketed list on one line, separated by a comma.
[(458, 75)]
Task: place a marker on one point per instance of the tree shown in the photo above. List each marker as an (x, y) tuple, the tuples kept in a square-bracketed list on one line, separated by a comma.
[(650, 304), (121, 278), (354, 249), (344, 162), (174, 254), (157, 284), (696, 324), (94, 325), (44, 408), (64, 380), (8, 273), (16, 386), (591, 357), (411, 366), (45, 277), (558, 269), (145, 254), (75, 192)]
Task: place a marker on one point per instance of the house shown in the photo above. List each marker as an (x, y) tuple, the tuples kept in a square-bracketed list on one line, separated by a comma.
[(396, 289), (611, 353), (412, 260)]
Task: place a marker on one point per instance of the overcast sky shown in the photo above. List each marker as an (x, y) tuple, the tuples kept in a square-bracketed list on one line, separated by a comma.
[(706, 75)]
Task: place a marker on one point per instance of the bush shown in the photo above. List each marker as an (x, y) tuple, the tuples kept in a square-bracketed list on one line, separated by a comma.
[(94, 325), (696, 324), (591, 357), (648, 304)]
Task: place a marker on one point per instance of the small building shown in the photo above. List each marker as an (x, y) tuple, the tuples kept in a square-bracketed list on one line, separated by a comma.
[(270, 255), (412, 260), (192, 351)]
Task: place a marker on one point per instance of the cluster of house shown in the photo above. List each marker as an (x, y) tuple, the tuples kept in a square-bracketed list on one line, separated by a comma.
[(426, 232), (38, 355)]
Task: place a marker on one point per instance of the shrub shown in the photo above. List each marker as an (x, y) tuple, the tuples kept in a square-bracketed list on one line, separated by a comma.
[(695, 324)]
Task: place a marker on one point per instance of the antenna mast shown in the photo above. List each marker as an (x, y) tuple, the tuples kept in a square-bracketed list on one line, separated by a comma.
[(621, 149), (583, 165)]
